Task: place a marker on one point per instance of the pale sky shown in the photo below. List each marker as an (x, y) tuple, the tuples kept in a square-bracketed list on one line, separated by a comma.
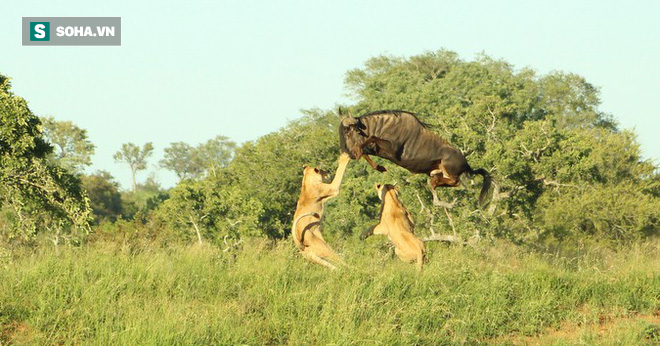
[(190, 70)]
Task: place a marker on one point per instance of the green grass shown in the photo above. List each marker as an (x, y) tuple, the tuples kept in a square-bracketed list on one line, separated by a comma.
[(117, 293)]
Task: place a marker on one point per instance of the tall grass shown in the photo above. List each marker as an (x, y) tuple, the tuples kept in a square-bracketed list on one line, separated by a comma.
[(110, 293)]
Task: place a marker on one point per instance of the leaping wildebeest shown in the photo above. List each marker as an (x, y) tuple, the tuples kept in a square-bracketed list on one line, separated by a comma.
[(400, 137)]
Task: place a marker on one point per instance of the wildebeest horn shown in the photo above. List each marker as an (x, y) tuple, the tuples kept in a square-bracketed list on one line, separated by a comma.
[(348, 121)]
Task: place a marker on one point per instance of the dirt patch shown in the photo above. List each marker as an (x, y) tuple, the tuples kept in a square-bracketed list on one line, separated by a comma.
[(603, 330), (14, 332)]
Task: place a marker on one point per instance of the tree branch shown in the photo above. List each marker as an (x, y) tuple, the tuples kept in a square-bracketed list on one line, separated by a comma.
[(452, 239)]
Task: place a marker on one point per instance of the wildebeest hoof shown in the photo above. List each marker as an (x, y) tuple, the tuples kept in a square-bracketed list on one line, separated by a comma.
[(381, 169)]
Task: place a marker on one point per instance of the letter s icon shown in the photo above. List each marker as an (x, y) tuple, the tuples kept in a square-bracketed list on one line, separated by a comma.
[(39, 28)]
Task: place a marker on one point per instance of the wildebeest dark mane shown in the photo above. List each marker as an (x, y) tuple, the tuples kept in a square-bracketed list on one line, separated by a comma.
[(395, 112)]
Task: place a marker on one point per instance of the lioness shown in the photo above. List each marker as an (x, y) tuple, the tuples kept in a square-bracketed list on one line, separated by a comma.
[(309, 211), (396, 223)]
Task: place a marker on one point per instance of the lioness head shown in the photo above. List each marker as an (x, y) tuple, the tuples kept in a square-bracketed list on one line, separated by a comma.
[(314, 175), (383, 189)]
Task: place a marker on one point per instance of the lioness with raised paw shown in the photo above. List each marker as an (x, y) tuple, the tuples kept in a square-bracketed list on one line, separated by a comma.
[(309, 211), (397, 225)]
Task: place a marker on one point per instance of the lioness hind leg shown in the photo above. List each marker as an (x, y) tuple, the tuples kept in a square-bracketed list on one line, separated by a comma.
[(338, 260), (420, 260), (318, 260), (326, 252)]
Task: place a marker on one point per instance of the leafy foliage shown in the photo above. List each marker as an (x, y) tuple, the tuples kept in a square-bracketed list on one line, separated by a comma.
[(138, 203), (562, 168), (542, 137), (135, 157), (261, 182), (35, 193), (104, 196), (180, 158), (72, 148), (190, 162), (211, 210)]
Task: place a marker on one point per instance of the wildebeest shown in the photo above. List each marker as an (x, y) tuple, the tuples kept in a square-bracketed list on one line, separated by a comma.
[(400, 137)]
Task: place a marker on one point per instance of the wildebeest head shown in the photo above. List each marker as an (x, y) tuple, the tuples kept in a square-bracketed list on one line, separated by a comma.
[(351, 135)]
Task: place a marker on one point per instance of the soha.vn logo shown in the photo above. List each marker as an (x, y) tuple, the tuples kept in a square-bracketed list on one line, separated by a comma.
[(85, 31), (71, 31), (39, 31)]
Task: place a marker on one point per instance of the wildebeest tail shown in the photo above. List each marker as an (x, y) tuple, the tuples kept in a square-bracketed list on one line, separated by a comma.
[(487, 182)]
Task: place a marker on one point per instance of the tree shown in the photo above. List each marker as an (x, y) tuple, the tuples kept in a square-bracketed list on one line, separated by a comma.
[(215, 153), (542, 137), (181, 158), (72, 148), (35, 193), (562, 169), (135, 157), (192, 162), (104, 196), (270, 168), (212, 209), (146, 197)]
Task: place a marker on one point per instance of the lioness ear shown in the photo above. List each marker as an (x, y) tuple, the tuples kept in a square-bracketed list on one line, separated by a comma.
[(378, 186)]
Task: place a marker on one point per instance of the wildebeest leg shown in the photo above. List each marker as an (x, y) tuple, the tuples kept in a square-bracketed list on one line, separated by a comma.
[(438, 203), (373, 164), (435, 181), (383, 148)]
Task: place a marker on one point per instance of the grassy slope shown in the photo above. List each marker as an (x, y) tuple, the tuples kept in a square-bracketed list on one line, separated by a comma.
[(109, 294)]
